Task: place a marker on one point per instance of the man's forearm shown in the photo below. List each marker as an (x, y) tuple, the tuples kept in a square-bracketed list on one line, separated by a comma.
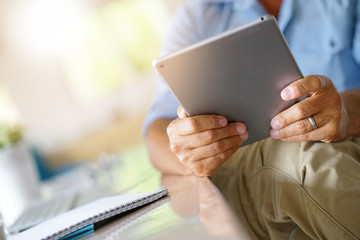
[(352, 102), (159, 148)]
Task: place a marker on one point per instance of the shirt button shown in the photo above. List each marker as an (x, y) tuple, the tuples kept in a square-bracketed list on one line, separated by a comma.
[(332, 43)]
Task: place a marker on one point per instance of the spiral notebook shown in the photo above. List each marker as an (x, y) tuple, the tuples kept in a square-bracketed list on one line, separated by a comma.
[(117, 229), (83, 218)]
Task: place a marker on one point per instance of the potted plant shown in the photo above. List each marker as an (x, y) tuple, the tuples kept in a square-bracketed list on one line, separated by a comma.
[(9, 134), (19, 178)]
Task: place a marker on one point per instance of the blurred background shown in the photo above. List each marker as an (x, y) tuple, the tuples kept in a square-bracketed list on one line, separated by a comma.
[(77, 75)]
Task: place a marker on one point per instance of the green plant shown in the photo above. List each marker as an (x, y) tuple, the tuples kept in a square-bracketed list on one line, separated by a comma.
[(9, 134)]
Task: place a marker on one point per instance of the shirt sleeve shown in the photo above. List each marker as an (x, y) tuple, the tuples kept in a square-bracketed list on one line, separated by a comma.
[(182, 32)]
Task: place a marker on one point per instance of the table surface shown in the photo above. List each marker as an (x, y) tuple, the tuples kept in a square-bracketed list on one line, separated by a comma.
[(193, 209)]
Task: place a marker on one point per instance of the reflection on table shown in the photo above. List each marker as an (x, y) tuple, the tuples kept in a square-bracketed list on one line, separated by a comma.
[(194, 208)]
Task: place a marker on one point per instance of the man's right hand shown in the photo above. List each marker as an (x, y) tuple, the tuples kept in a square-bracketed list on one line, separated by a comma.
[(204, 142)]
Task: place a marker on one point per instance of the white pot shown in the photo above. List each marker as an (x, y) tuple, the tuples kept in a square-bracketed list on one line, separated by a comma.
[(19, 181)]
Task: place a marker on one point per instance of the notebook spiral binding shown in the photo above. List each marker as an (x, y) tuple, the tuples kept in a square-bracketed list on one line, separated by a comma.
[(120, 227), (142, 200)]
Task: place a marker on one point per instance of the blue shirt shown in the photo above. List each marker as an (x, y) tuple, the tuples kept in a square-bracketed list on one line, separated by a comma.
[(323, 35)]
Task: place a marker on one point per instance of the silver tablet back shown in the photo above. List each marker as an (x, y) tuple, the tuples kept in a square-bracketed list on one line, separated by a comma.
[(238, 74)]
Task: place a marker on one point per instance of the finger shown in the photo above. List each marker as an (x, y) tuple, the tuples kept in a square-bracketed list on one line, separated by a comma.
[(305, 86), (327, 133), (301, 110), (318, 134), (210, 150), (213, 135), (181, 145), (300, 127), (209, 166), (181, 112), (310, 136), (191, 125)]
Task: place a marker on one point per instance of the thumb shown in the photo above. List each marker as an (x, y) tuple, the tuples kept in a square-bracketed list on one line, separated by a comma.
[(181, 112)]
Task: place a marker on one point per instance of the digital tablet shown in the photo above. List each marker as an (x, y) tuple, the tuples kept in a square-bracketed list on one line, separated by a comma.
[(238, 74)]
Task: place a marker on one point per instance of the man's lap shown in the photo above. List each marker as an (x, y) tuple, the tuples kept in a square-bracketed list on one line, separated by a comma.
[(276, 186)]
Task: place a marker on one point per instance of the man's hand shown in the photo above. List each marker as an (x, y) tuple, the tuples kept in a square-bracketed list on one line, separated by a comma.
[(325, 105), (204, 142)]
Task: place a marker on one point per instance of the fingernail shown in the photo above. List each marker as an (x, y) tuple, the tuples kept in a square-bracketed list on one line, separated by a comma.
[(240, 129), (275, 123), (286, 94), (275, 133), (182, 113), (243, 136), (222, 122)]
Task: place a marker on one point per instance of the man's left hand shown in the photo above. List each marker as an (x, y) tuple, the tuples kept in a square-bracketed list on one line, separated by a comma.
[(325, 105)]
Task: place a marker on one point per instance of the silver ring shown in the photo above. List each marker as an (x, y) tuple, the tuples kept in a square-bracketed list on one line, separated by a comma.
[(313, 123)]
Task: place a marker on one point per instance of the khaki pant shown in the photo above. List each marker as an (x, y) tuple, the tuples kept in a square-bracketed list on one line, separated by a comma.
[(302, 190)]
